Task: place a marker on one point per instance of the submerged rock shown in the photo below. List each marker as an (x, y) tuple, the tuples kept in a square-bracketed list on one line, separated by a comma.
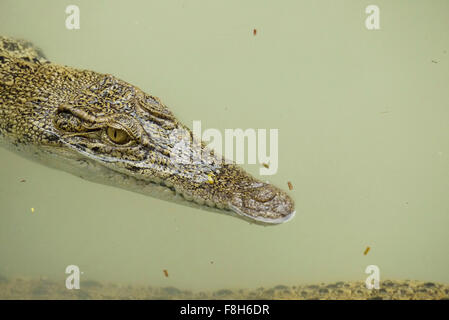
[(281, 287), (21, 288), (223, 292), (91, 284), (171, 291)]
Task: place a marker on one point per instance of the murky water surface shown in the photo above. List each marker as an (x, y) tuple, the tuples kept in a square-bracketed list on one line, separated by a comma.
[(363, 139)]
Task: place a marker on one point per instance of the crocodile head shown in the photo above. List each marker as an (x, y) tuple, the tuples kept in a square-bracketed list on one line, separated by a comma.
[(106, 130), (134, 135)]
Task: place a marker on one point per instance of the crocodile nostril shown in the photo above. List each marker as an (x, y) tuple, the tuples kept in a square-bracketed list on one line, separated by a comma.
[(263, 194)]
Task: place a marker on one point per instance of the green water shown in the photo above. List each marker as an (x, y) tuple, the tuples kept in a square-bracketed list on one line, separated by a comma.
[(363, 137)]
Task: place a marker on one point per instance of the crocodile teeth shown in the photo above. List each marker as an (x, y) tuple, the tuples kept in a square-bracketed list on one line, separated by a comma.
[(168, 183), (199, 201), (220, 206), (210, 203), (187, 196)]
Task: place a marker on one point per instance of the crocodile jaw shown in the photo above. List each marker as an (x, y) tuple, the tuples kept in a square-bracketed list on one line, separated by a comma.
[(97, 172)]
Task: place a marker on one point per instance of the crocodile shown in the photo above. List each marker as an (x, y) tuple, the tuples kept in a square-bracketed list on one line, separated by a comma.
[(105, 130)]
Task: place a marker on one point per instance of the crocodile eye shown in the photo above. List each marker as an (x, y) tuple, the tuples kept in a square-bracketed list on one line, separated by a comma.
[(117, 135)]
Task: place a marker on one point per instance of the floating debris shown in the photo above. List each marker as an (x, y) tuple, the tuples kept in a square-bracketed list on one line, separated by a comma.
[(266, 165), (366, 251), (22, 180), (254, 32), (434, 61), (165, 273), (32, 210), (290, 186)]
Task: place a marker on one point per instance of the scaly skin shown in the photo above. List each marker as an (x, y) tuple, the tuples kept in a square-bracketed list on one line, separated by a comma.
[(71, 119)]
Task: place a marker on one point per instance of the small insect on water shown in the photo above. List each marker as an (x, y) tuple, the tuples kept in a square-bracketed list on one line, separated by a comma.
[(290, 186), (165, 273), (254, 32)]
